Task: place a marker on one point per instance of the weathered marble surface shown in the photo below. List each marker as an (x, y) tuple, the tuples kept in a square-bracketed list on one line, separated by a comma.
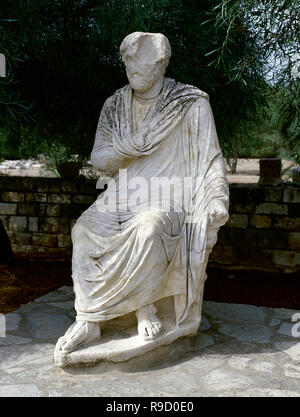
[(209, 364), (143, 246)]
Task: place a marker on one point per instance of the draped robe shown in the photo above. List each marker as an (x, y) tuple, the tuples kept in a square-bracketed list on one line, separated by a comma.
[(128, 257)]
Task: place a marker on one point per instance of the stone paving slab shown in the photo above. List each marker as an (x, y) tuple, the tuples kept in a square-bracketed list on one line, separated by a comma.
[(240, 350)]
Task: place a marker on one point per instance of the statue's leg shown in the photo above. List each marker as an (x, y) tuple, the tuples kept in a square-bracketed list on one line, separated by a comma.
[(151, 227), (82, 331)]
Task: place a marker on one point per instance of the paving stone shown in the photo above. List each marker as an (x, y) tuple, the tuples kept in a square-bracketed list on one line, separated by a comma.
[(290, 348), (238, 362), (247, 333), (262, 366), (286, 329), (221, 380), (234, 312), (66, 305), (12, 321), (266, 392), (14, 340), (55, 297), (20, 355), (204, 325), (47, 326), (24, 390), (292, 371), (233, 362), (283, 313)]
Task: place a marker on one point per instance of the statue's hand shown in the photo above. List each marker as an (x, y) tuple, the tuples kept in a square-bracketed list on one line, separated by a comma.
[(139, 138), (217, 213), (217, 216)]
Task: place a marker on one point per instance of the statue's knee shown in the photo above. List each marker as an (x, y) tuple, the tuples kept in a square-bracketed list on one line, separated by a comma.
[(148, 227), (77, 233)]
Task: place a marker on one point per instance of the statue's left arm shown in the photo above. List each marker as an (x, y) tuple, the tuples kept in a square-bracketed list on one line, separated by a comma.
[(211, 200)]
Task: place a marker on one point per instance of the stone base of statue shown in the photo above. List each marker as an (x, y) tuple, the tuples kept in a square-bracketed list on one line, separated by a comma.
[(120, 342)]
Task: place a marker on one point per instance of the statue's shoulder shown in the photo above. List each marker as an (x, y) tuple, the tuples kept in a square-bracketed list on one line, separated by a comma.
[(186, 89), (120, 92)]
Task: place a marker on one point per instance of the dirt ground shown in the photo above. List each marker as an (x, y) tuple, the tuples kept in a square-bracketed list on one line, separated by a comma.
[(22, 282)]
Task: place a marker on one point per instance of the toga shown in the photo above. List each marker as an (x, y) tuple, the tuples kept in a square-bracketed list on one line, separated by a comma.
[(151, 243)]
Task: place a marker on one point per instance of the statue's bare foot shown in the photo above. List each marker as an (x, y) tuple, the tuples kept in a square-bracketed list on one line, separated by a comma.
[(148, 324), (79, 333)]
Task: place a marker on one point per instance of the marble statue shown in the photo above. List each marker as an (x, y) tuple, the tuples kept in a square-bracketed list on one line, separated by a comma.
[(145, 253)]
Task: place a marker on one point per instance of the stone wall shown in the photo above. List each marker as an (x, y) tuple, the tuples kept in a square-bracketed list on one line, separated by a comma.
[(38, 214), (263, 231)]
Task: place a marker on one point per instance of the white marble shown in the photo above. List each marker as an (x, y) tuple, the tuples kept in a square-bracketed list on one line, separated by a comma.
[(143, 246)]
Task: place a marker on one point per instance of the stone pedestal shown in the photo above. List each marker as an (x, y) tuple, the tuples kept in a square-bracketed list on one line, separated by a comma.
[(270, 171)]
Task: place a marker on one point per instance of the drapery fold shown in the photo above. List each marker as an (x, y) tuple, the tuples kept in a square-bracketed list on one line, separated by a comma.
[(177, 139)]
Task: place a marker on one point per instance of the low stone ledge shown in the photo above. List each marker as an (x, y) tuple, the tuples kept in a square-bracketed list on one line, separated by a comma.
[(263, 231)]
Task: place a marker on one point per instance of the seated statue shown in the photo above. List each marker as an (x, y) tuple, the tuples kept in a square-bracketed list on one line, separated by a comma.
[(167, 197)]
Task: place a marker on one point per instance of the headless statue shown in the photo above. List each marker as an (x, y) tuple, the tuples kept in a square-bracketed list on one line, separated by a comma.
[(150, 243)]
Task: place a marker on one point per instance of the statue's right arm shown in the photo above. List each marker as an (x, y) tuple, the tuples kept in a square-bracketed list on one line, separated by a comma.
[(103, 156)]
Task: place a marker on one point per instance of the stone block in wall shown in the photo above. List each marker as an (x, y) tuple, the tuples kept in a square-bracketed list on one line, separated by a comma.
[(288, 259), (42, 239), (59, 198), (8, 208), (244, 207), (10, 183), (4, 220), (246, 237), (73, 221), (88, 187), (28, 184), (27, 209), (53, 210), (273, 239), (273, 194), (21, 250), (18, 237), (84, 199), (223, 255), (54, 225), (58, 254), (260, 221), (294, 241), (42, 210), (54, 185), (64, 241), (247, 192), (33, 224), (36, 197), (294, 210), (13, 196), (237, 220), (271, 208), (42, 185), (18, 223), (11, 236), (291, 195), (73, 210), (287, 223), (69, 186)]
